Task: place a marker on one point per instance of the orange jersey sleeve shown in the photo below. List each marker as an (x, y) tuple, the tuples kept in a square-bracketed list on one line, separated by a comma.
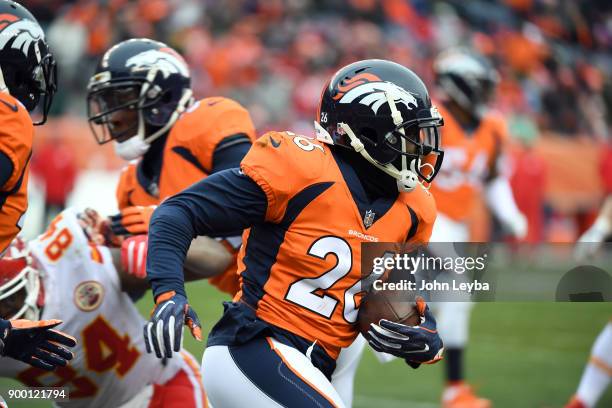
[(188, 155), (16, 135), (278, 164)]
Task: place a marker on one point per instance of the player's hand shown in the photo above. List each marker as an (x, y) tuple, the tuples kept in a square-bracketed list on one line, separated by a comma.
[(590, 242), (98, 229), (134, 255), (164, 331), (132, 220), (35, 343), (416, 344)]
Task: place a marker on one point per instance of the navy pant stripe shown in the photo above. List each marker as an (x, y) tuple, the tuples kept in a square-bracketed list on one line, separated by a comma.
[(265, 368)]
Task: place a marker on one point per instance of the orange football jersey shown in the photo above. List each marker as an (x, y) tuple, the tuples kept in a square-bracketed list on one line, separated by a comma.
[(188, 157), (301, 269), (468, 159), (16, 135)]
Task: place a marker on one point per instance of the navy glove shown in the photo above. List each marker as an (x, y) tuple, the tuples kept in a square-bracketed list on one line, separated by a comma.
[(34, 343), (416, 344), (164, 331)]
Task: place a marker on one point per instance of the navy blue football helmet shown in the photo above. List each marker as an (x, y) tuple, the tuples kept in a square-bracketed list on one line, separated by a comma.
[(382, 110)]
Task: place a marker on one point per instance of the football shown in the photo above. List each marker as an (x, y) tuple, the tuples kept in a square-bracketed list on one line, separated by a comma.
[(390, 305)]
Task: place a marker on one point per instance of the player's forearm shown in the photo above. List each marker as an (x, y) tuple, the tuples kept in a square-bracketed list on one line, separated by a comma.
[(170, 235), (605, 215), (223, 204), (206, 258), (501, 201)]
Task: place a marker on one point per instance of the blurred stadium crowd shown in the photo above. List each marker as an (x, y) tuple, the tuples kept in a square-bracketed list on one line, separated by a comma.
[(274, 55)]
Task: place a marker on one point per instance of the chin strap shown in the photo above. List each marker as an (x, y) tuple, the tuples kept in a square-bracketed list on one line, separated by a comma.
[(406, 180)]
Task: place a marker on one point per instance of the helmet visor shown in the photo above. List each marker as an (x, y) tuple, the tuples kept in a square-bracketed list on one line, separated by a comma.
[(113, 111), (419, 140)]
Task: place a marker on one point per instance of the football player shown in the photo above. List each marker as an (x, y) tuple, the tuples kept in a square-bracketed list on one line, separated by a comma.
[(309, 205), (598, 372), (63, 273), (140, 98), (27, 80), (474, 140)]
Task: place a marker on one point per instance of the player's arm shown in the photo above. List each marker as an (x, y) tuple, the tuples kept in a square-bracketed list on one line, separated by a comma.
[(591, 240), (206, 258), (500, 199), (225, 203), (35, 343)]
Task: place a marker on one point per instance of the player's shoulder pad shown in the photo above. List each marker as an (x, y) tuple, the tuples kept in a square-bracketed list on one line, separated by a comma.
[(284, 155), (11, 105), (496, 123), (16, 133), (284, 163), (422, 202), (67, 221), (205, 114)]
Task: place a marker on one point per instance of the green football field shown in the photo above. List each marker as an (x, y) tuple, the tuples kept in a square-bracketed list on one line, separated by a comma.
[(520, 355)]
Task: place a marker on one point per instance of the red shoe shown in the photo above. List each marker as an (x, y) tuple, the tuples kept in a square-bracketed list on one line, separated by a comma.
[(461, 395), (575, 403)]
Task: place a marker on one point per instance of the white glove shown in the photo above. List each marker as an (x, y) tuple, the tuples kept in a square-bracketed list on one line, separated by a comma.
[(591, 240)]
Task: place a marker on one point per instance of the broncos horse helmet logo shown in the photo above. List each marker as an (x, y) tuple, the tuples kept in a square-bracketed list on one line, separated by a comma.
[(23, 33), (369, 90), (165, 60)]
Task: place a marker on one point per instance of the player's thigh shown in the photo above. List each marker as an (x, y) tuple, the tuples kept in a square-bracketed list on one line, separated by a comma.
[(264, 373), (346, 367)]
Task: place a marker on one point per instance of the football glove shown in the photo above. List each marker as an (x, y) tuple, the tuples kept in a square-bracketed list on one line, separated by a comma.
[(35, 343), (97, 229), (416, 344), (134, 255), (164, 331), (132, 220)]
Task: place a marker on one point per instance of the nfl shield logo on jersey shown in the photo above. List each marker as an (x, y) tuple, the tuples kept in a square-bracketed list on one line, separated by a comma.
[(3, 403), (368, 218)]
